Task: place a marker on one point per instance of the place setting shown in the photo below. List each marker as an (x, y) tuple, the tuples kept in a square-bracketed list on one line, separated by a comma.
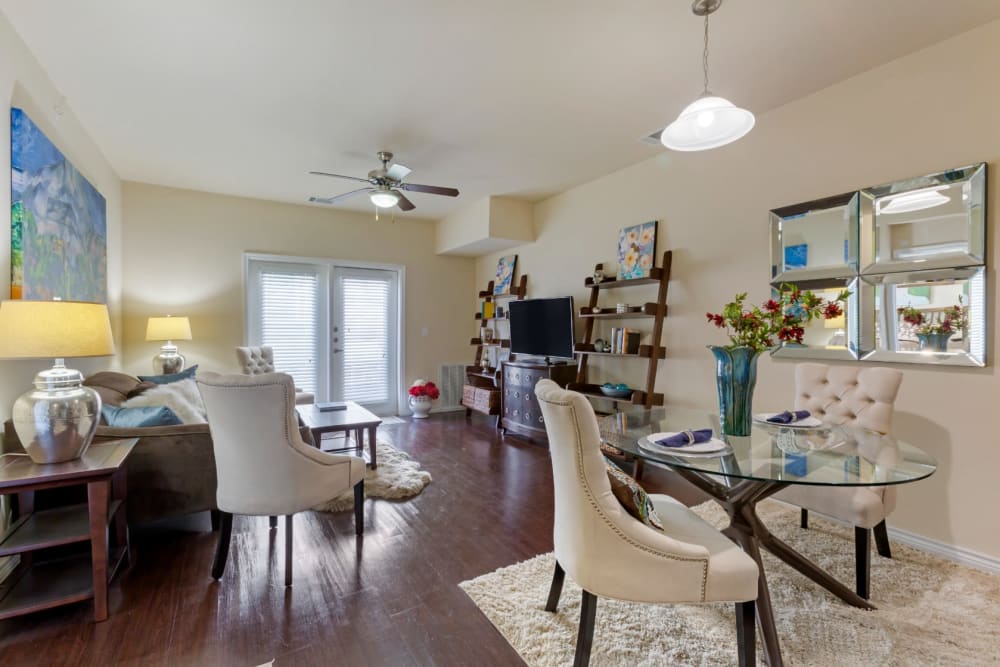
[(696, 442)]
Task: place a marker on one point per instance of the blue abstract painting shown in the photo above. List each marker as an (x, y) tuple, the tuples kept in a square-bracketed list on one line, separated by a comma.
[(58, 222)]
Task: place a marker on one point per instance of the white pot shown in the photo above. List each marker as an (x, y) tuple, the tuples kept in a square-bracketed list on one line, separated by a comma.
[(421, 406)]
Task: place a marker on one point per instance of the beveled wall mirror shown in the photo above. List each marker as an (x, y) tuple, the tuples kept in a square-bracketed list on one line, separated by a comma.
[(936, 316), (815, 240), (931, 222), (913, 255)]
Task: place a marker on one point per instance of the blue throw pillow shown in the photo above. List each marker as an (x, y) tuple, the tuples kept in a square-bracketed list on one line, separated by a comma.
[(186, 374), (147, 415)]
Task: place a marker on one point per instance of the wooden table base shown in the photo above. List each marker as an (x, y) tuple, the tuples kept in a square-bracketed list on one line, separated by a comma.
[(746, 529)]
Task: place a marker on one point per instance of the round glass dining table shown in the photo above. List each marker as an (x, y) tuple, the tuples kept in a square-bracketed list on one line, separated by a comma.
[(740, 471)]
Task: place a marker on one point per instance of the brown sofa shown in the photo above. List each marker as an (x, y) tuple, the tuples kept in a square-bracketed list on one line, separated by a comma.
[(171, 471)]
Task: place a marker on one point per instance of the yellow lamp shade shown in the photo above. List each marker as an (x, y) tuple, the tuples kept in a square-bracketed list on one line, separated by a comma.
[(168, 328), (835, 322), (50, 329)]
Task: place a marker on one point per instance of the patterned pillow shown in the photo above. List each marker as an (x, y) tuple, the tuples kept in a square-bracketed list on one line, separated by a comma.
[(632, 497)]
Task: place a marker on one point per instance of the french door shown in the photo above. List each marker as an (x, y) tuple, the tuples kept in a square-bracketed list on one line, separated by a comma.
[(333, 327), (364, 338)]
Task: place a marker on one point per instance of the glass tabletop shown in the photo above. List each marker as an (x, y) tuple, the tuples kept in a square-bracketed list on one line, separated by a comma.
[(823, 456)]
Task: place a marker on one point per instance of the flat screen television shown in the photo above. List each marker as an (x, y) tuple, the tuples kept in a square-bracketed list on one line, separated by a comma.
[(542, 327)]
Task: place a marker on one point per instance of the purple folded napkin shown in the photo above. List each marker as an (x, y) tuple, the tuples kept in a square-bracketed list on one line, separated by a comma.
[(788, 417), (685, 438)]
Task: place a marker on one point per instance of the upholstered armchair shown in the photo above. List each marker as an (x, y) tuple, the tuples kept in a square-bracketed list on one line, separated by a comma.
[(611, 554), (861, 397), (263, 466), (259, 359)]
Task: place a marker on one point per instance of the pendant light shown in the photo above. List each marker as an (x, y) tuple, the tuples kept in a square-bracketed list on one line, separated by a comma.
[(710, 121)]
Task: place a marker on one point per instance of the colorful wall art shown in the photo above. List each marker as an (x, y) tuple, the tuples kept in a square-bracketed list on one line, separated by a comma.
[(636, 250), (505, 274), (58, 222)]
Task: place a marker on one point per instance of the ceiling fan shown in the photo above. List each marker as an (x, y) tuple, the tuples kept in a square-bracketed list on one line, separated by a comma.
[(384, 185)]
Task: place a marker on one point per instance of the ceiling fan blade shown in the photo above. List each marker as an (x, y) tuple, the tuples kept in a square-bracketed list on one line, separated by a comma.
[(405, 204), (350, 178), (398, 172), (335, 199), (430, 189)]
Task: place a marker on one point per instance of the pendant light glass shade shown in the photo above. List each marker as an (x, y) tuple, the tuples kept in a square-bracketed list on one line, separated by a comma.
[(708, 122)]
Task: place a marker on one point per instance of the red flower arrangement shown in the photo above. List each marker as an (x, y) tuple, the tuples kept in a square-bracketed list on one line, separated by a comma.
[(425, 388), (954, 320), (778, 320)]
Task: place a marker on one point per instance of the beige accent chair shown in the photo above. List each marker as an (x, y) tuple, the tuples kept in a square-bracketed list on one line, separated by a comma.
[(861, 397), (263, 466), (611, 554), (259, 359)]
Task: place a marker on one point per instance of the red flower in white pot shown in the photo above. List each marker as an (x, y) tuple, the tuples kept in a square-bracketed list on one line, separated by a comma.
[(422, 394)]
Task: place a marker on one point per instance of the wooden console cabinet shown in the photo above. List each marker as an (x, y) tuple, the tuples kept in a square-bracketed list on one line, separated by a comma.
[(519, 411)]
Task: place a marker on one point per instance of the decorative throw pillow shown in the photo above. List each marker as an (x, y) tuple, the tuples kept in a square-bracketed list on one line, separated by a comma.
[(632, 497), (139, 389), (182, 397), (186, 374), (154, 415)]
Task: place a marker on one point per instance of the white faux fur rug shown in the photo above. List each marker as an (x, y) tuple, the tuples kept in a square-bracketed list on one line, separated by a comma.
[(398, 476), (930, 611)]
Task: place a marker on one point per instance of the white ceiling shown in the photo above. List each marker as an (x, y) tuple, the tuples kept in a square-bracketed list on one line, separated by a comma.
[(519, 97)]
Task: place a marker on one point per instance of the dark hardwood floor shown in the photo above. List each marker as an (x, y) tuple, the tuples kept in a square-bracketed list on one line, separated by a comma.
[(389, 598)]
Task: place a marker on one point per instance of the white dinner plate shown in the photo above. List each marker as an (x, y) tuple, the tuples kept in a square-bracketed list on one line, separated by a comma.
[(649, 443), (808, 422)]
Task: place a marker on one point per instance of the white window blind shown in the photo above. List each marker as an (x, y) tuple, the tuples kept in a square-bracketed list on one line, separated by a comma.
[(367, 337), (289, 314)]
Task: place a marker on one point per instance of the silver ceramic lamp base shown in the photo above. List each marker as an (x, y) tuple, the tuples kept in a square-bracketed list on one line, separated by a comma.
[(57, 419), (168, 361)]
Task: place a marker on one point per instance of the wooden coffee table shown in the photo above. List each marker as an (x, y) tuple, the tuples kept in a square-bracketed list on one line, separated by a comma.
[(352, 419)]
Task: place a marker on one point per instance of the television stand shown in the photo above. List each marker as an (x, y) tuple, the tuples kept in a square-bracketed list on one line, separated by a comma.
[(519, 411)]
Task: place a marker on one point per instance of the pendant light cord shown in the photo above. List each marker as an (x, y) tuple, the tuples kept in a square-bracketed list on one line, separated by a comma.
[(704, 57)]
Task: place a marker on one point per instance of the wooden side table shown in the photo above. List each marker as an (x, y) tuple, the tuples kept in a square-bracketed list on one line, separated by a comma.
[(353, 418), (38, 584)]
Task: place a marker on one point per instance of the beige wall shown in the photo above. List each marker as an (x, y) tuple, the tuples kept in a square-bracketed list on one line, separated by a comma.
[(932, 110), (24, 84), (183, 255)]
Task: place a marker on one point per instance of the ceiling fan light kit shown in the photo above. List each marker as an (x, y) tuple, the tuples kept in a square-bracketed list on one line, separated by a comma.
[(710, 121), (384, 186), (384, 198)]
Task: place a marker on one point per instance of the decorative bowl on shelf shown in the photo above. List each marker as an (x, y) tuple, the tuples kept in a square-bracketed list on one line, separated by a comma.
[(616, 390)]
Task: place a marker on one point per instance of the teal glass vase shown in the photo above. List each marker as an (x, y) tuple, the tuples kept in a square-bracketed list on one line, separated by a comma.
[(736, 375)]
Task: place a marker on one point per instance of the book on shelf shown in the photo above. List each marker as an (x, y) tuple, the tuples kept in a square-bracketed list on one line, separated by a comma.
[(624, 340), (487, 309)]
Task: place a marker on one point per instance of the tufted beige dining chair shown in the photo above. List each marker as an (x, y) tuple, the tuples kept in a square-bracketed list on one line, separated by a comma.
[(263, 466), (259, 359), (611, 554), (861, 397)]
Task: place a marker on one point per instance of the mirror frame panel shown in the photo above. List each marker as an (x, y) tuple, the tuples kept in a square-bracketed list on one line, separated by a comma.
[(871, 262), (874, 287), (850, 352), (779, 216)]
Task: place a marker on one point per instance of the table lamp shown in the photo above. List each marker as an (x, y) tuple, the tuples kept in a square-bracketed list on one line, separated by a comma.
[(839, 336), (56, 420), (168, 329)]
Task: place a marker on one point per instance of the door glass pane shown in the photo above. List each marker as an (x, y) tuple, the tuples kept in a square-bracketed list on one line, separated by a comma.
[(289, 321), (367, 338)]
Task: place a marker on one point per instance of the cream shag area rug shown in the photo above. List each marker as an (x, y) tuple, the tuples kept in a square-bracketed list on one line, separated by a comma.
[(397, 477), (930, 611)]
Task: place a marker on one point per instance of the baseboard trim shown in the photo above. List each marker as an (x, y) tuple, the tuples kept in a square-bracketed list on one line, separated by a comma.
[(959, 555), (955, 554)]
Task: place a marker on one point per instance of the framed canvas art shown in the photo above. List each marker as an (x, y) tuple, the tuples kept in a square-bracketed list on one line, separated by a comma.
[(58, 222), (636, 250), (505, 274)]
